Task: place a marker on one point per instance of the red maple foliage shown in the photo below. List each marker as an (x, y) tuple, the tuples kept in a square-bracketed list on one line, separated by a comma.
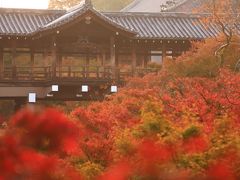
[(195, 145), (159, 126), (33, 145), (48, 131)]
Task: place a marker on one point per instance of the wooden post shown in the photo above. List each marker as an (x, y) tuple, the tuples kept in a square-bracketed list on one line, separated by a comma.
[(54, 57), (145, 59), (60, 64), (1, 63), (142, 61), (134, 60), (103, 57), (32, 62), (112, 52), (103, 53), (113, 56), (164, 53), (14, 68), (87, 59), (87, 64), (99, 61), (45, 59)]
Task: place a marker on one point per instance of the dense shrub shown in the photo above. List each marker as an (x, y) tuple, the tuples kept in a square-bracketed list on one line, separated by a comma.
[(157, 127), (166, 127), (36, 146), (201, 61)]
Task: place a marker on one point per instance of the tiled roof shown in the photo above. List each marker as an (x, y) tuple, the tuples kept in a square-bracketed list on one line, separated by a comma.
[(165, 25), (23, 22), (79, 10), (143, 25)]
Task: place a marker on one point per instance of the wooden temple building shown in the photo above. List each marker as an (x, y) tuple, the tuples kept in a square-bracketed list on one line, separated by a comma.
[(84, 47)]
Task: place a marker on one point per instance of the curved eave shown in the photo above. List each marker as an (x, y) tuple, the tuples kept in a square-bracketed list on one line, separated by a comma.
[(77, 15)]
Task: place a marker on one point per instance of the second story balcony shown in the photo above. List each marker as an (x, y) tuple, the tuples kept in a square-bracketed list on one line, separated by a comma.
[(65, 74)]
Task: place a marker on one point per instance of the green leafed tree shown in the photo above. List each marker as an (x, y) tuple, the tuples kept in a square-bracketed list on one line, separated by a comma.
[(103, 5)]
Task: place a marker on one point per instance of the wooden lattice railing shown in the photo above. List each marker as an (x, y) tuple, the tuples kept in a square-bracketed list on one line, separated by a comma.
[(26, 73)]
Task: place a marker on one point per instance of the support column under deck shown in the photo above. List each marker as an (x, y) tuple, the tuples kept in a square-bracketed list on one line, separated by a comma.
[(19, 103)]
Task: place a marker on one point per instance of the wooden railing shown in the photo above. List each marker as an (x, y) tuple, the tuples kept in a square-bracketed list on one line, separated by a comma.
[(85, 72), (26, 73)]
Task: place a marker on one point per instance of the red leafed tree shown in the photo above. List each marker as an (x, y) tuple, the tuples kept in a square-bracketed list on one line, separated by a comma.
[(225, 15), (34, 145)]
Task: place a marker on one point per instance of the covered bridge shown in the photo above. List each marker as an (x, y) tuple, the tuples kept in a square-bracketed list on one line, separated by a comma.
[(82, 46)]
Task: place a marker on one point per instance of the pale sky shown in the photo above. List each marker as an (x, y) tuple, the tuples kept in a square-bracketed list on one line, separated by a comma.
[(34, 4)]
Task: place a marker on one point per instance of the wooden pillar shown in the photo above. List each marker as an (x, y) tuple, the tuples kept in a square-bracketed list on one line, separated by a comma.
[(60, 64), (117, 59), (45, 62), (87, 64), (87, 59), (134, 57), (145, 59), (113, 58), (98, 59), (164, 53), (134, 60), (54, 57), (45, 57), (103, 57), (112, 52), (14, 53), (1, 63), (142, 61), (32, 62)]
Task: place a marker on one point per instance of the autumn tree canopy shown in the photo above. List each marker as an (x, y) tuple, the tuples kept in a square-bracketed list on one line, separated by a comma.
[(224, 14), (104, 5), (62, 4)]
